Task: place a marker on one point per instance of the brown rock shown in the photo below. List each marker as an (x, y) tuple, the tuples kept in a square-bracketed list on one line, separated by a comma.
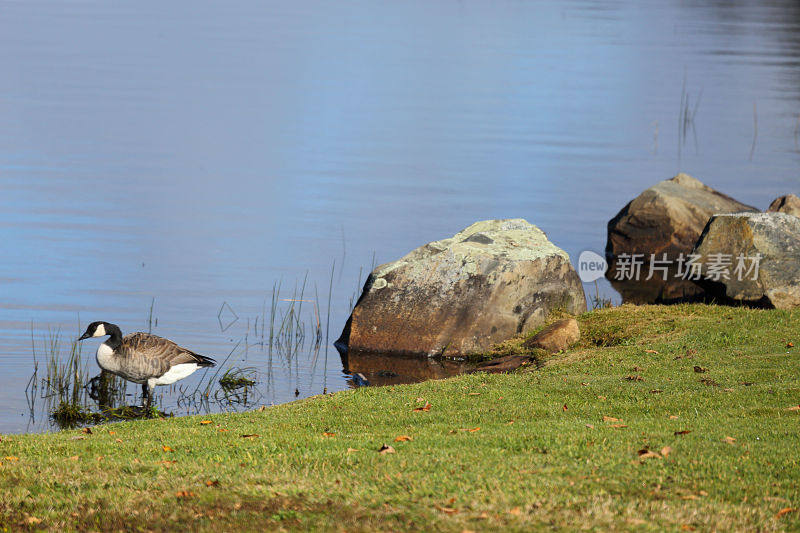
[(461, 295), (789, 204), (667, 218), (556, 337)]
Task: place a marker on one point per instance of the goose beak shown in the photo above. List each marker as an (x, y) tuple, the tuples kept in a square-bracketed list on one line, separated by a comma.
[(84, 336)]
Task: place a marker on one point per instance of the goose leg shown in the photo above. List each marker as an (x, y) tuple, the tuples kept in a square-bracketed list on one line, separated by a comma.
[(145, 395)]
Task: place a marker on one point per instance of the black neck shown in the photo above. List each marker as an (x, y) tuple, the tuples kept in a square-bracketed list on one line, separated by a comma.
[(115, 335)]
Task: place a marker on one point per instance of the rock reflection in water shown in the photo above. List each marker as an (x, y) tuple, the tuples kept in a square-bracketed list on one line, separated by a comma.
[(381, 369)]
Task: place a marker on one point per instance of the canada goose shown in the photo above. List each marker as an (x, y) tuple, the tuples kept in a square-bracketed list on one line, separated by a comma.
[(143, 358)]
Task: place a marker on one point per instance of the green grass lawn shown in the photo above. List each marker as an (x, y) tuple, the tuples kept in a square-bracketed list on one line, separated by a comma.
[(670, 418)]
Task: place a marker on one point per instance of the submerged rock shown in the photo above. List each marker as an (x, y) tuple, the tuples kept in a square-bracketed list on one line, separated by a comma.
[(789, 204), (461, 295), (556, 337), (662, 223), (752, 258)]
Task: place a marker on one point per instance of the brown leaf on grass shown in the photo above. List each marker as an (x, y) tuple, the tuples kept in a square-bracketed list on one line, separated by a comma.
[(634, 378), (386, 449), (509, 422), (673, 417), (88, 431), (205, 422), (601, 397), (793, 408), (32, 520), (118, 440), (656, 391), (590, 426), (351, 450), (403, 438), (700, 369), (687, 527), (516, 511), (644, 453), (790, 345), (651, 351), (74, 458), (328, 434), (250, 436), (618, 426), (222, 430), (709, 382), (665, 451), (212, 483), (611, 419), (167, 448), (112, 432), (470, 430), (184, 494), (426, 407), (683, 432), (446, 510), (565, 407), (167, 464), (12, 458), (785, 510), (729, 440), (474, 394)]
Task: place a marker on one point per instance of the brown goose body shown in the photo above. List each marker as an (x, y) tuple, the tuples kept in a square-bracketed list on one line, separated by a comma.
[(144, 358)]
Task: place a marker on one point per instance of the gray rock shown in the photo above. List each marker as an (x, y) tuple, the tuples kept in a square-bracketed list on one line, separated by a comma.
[(785, 204), (775, 237), (457, 296)]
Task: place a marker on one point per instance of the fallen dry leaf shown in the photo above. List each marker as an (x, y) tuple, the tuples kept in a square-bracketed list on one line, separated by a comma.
[(516, 511), (474, 394), (351, 450), (785, 510), (214, 483), (88, 431), (650, 351), (729, 440), (687, 527), (118, 440), (656, 391), (32, 520), (673, 417), (386, 449), (790, 345), (611, 419), (12, 458), (565, 407), (601, 397), (204, 422), (793, 408), (403, 438), (168, 449), (700, 369), (250, 436), (589, 426), (426, 407), (222, 430), (73, 458), (618, 426), (647, 454), (665, 451), (683, 432), (112, 432), (634, 378), (184, 494), (446, 510), (327, 434)]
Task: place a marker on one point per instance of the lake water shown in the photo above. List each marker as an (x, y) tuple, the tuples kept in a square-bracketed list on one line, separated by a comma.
[(194, 154)]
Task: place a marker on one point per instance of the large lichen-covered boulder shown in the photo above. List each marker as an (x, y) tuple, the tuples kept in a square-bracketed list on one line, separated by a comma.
[(752, 258), (457, 296), (788, 203), (666, 219)]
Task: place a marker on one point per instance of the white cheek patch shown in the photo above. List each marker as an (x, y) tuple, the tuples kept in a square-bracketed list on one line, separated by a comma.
[(100, 331)]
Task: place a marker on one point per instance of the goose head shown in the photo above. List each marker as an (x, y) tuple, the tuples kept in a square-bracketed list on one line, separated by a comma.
[(96, 329)]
